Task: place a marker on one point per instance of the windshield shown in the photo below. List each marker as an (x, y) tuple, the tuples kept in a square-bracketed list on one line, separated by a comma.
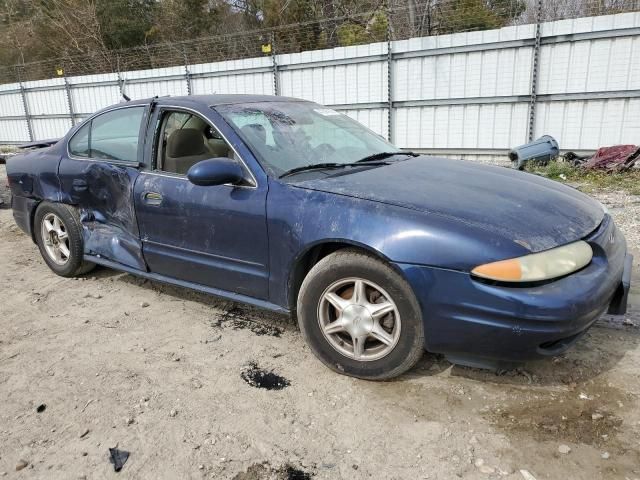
[(288, 135)]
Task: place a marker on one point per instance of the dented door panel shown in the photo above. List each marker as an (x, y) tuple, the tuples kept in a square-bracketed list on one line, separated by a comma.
[(103, 192)]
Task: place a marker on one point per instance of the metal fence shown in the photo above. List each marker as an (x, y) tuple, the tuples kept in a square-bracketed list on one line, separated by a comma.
[(433, 76)]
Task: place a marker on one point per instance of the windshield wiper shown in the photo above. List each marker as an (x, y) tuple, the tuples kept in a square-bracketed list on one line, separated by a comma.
[(313, 166), (322, 166), (381, 155)]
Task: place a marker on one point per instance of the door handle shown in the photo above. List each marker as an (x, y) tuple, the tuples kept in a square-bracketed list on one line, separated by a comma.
[(152, 198)]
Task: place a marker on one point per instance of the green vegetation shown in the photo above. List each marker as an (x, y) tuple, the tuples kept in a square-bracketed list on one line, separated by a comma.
[(33, 30), (7, 149), (590, 180)]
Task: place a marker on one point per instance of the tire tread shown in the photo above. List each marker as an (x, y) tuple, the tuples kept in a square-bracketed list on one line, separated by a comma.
[(351, 256)]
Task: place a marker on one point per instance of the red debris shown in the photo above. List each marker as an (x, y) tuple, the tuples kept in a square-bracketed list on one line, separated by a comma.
[(614, 159)]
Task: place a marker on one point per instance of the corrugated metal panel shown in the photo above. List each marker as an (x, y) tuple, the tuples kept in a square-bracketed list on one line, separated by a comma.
[(96, 78), (9, 86), (137, 89), (590, 66), (93, 98), (592, 124), (153, 72), (47, 102), (230, 65), (50, 127), (518, 32), (14, 130), (160, 88), (373, 118), (461, 126), (599, 65), (336, 84), (10, 105), (254, 83), (464, 75)]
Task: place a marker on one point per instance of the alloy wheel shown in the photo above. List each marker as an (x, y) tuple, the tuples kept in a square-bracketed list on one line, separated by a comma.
[(359, 319), (55, 239)]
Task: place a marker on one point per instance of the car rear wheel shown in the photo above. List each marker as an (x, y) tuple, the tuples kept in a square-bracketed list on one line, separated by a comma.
[(360, 317), (58, 234)]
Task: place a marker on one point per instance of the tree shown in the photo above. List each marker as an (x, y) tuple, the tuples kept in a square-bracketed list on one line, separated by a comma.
[(433, 17), (125, 23), (177, 20), (373, 30), (16, 30)]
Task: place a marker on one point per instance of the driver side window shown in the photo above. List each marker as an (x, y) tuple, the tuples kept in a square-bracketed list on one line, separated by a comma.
[(186, 139)]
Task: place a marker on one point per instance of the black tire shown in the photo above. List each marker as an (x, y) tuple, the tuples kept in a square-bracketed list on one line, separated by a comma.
[(75, 264), (349, 263)]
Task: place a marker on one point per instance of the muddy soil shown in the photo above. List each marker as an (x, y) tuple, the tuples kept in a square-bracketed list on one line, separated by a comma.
[(194, 387)]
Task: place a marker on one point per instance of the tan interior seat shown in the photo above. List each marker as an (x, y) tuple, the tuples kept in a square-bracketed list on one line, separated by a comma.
[(185, 148), (218, 148)]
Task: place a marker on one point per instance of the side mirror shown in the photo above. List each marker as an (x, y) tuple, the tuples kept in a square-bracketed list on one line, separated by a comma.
[(215, 171)]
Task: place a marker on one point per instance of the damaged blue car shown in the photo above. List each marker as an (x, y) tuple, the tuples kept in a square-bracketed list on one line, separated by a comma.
[(285, 204)]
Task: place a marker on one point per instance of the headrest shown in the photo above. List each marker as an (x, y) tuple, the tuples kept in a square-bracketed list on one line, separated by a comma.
[(185, 143)]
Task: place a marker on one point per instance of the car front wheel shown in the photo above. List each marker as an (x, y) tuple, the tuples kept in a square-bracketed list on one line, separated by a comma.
[(58, 234), (360, 317)]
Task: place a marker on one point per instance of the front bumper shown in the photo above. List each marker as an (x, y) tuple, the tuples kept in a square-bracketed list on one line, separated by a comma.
[(476, 323)]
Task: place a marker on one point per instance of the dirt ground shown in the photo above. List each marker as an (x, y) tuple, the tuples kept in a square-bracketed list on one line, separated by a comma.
[(173, 377)]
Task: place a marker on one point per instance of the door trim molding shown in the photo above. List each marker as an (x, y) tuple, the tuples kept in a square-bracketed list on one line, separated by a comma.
[(205, 254), (236, 297)]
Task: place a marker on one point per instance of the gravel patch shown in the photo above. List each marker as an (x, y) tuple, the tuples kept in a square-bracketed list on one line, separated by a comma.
[(625, 210)]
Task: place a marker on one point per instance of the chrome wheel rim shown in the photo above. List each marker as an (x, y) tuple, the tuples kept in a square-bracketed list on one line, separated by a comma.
[(359, 319), (55, 238)]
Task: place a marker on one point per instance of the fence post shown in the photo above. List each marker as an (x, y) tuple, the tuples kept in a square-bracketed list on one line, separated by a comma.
[(534, 73), (67, 88), (276, 79), (187, 73), (25, 106), (390, 127)]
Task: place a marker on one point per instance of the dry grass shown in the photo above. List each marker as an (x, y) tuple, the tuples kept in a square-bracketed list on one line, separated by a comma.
[(590, 180), (7, 148)]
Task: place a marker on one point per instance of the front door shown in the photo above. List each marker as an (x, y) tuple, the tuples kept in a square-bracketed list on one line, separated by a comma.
[(214, 236), (98, 175)]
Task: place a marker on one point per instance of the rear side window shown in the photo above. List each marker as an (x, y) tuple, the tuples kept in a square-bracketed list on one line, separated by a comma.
[(79, 144), (110, 136)]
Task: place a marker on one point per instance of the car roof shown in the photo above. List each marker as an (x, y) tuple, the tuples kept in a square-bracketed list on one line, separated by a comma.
[(223, 99), (202, 100)]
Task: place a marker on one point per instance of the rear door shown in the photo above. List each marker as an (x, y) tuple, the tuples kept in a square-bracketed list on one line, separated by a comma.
[(97, 174)]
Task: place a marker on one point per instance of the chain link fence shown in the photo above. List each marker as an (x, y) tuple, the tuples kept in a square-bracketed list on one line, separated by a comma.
[(395, 20)]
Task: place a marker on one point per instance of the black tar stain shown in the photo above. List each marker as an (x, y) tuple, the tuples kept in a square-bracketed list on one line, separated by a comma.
[(259, 378)]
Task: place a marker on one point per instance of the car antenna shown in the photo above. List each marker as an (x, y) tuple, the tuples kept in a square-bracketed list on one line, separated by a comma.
[(124, 94)]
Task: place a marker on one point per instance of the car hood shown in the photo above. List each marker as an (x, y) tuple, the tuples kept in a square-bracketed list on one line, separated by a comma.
[(532, 211)]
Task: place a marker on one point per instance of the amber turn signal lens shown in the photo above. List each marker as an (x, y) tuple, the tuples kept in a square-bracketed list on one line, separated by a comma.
[(505, 270)]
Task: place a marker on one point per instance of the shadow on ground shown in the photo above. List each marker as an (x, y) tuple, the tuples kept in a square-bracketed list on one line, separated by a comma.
[(598, 351)]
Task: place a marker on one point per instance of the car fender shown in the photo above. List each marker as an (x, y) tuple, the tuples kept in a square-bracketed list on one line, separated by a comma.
[(33, 178), (300, 219)]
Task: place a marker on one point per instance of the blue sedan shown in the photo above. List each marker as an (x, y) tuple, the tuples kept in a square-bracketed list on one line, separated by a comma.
[(291, 206)]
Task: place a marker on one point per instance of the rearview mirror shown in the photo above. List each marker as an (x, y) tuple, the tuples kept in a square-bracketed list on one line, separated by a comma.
[(215, 171)]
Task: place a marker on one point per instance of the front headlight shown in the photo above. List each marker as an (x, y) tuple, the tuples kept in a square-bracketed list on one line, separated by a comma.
[(536, 267)]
